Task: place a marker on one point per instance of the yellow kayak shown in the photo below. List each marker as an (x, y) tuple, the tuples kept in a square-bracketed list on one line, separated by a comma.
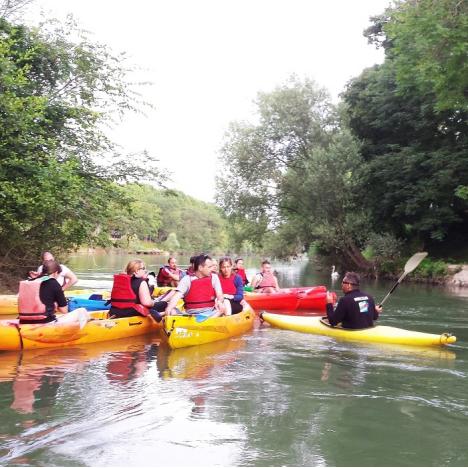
[(53, 335), (9, 302), (182, 330), (377, 334)]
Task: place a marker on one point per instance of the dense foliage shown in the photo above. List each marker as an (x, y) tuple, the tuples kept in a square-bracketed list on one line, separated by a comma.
[(54, 94), (382, 176), (172, 220)]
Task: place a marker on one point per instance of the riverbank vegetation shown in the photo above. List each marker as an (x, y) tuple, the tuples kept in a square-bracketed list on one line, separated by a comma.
[(363, 183), (375, 178)]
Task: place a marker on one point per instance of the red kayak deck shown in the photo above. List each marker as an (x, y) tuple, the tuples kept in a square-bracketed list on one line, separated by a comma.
[(309, 299)]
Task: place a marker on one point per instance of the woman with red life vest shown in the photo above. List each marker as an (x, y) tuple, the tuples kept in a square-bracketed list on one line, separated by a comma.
[(265, 281), (39, 299), (239, 269), (232, 285), (170, 274), (131, 296), (201, 291)]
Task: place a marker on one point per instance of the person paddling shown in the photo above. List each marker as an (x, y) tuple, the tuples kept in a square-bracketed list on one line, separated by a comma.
[(356, 309)]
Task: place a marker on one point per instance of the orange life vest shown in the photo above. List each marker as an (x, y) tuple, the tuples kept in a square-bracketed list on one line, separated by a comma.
[(123, 296), (201, 293), (268, 281), (30, 306)]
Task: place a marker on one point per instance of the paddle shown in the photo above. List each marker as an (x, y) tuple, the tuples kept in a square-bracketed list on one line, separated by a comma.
[(204, 316), (411, 265)]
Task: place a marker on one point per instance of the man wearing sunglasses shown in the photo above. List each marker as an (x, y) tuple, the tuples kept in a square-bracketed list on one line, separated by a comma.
[(356, 309)]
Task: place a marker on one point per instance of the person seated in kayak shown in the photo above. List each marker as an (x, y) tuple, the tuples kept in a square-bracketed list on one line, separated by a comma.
[(170, 274), (66, 277), (40, 298), (265, 281), (232, 286), (201, 292), (239, 269), (130, 295), (356, 309)]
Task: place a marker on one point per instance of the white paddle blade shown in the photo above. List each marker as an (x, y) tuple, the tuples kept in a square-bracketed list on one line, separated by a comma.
[(414, 261)]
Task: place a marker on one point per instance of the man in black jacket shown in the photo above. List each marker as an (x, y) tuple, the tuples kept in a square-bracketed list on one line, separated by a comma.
[(356, 309)]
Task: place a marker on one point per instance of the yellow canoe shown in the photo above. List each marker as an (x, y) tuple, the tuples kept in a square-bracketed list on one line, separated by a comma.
[(9, 302), (182, 330), (377, 334), (53, 335)]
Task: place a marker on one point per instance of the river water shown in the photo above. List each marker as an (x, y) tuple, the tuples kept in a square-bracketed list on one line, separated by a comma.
[(268, 398)]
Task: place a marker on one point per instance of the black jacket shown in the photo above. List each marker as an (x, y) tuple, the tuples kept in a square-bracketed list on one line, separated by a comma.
[(355, 310)]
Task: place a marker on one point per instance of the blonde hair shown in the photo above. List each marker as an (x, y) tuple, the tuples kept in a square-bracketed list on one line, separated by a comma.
[(133, 266)]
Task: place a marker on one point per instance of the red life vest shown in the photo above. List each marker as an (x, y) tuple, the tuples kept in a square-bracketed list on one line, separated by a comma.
[(30, 306), (241, 273), (163, 279), (123, 296), (268, 281), (201, 293), (227, 284)]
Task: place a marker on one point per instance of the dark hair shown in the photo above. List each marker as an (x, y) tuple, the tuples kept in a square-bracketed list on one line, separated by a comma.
[(266, 262), (352, 277), (50, 267), (224, 259), (237, 259), (192, 259), (169, 259), (200, 261)]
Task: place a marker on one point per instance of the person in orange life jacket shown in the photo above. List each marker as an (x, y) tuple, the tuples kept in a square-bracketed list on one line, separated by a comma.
[(232, 286), (66, 277), (170, 274), (239, 269), (39, 299), (356, 309), (265, 281), (134, 286), (201, 292)]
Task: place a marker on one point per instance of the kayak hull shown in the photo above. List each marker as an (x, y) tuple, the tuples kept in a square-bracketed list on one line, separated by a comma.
[(377, 334), (311, 299), (183, 331), (53, 335)]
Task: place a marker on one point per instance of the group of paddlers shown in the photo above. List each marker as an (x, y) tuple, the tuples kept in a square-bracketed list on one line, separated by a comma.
[(207, 286)]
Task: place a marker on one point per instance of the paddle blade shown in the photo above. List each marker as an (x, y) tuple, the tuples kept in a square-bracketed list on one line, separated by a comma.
[(204, 316), (414, 261)]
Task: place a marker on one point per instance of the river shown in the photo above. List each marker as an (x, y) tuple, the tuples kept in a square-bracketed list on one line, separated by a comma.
[(268, 398)]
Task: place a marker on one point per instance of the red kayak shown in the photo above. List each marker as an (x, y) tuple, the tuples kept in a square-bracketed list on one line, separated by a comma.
[(311, 299)]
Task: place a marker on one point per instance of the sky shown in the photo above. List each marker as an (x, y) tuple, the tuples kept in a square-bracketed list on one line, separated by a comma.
[(208, 59)]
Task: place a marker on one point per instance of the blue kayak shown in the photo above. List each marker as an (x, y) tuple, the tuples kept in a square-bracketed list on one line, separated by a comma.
[(91, 302)]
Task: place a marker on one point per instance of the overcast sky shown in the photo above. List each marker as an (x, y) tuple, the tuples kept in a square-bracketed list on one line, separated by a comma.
[(209, 58)]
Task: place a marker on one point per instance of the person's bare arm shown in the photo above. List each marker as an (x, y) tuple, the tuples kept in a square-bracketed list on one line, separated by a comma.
[(144, 295), (70, 280), (173, 302)]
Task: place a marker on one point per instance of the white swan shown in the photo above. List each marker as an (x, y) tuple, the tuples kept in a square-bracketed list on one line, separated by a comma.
[(334, 274)]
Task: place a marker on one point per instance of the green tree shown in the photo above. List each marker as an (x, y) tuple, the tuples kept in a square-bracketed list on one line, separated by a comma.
[(55, 94), (427, 43)]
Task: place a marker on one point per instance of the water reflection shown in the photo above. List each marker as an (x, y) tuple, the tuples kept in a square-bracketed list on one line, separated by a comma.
[(269, 398)]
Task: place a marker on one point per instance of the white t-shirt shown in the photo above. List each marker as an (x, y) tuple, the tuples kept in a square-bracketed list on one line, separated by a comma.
[(61, 276)]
